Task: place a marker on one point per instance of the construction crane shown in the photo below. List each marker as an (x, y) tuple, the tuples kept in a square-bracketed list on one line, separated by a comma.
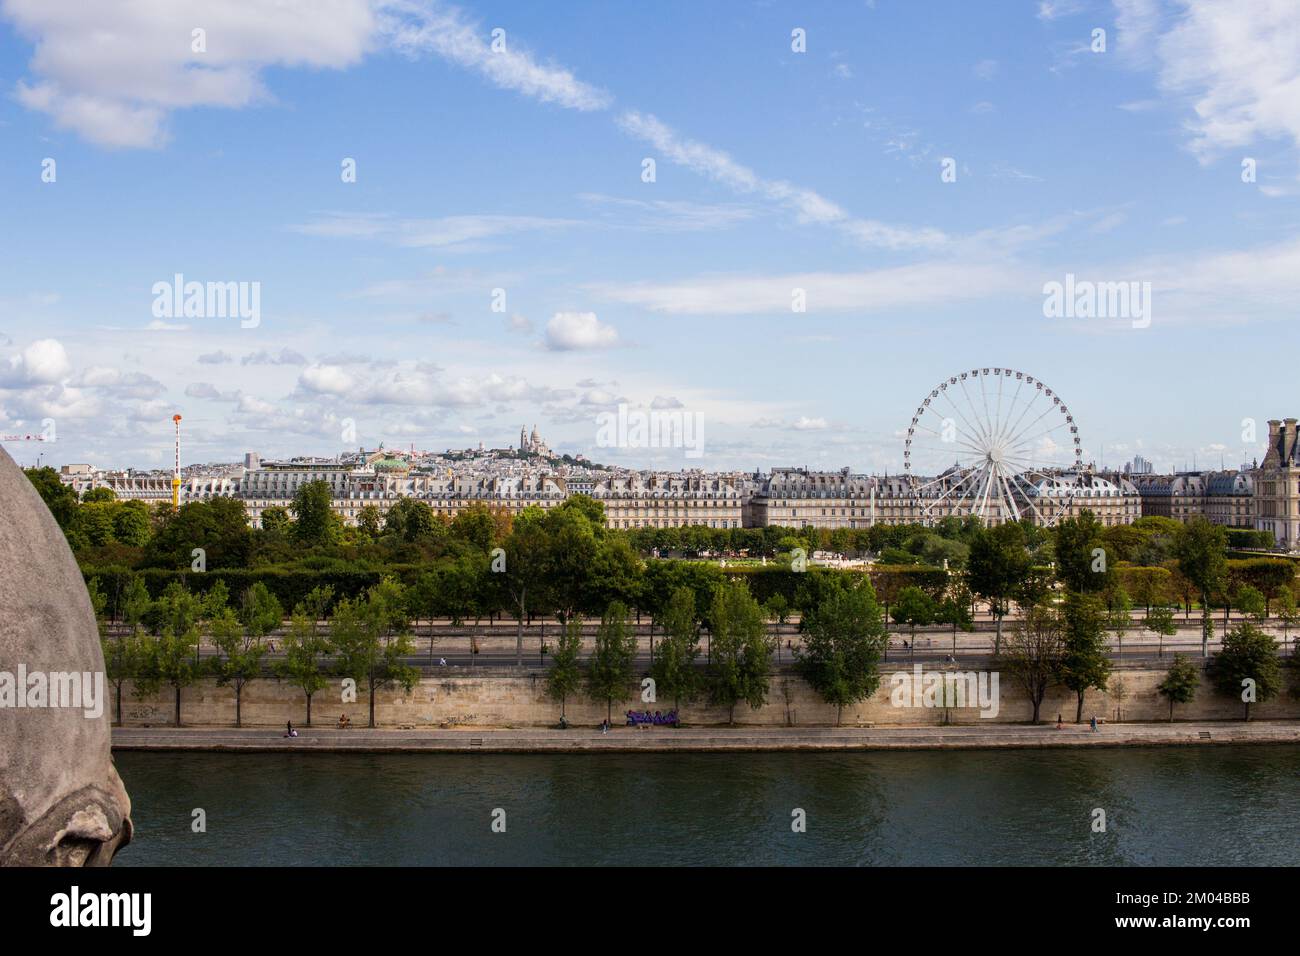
[(23, 438), (176, 472)]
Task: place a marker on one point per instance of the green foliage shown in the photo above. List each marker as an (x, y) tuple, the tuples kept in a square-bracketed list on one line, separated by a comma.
[(239, 655), (219, 527), (306, 649), (371, 636), (673, 669), (315, 523), (1180, 683), (740, 665), (1082, 564), (610, 668), (1084, 662), (843, 641), (58, 497), (565, 676), (167, 660), (1248, 656), (1033, 651), (259, 611)]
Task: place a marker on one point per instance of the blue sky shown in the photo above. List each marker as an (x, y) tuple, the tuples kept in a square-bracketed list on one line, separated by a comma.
[(522, 170)]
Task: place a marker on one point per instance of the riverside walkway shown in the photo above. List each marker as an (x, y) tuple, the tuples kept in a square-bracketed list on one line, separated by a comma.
[(703, 739)]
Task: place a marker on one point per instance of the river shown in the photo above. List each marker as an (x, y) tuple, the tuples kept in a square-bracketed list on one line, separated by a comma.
[(1193, 806)]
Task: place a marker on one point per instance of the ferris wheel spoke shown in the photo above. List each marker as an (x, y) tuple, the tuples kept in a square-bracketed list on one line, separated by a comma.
[(984, 436), (988, 417), (955, 485), (1024, 412), (1034, 438), (1011, 498), (970, 446), (1018, 440), (1021, 430), (997, 418), (1011, 409), (980, 437)]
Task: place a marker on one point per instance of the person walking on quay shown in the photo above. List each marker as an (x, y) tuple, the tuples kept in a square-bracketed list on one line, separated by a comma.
[(1058, 721), (1094, 723)]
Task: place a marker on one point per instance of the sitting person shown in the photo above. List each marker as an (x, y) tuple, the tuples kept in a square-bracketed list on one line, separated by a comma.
[(343, 721)]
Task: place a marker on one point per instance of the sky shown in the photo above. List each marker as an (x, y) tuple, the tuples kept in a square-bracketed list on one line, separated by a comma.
[(452, 235)]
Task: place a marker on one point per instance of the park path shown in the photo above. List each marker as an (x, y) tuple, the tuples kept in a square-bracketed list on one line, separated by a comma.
[(703, 739)]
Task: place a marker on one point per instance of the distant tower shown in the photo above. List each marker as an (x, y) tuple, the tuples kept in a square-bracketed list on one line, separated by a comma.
[(176, 472)]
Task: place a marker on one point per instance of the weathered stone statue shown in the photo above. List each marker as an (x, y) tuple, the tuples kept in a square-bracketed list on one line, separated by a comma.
[(61, 801)]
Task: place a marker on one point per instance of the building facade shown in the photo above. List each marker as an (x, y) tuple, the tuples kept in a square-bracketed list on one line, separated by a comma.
[(1277, 486)]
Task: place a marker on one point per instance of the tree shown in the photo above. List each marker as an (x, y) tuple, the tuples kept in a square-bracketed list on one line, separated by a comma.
[(315, 523), (305, 650), (369, 522), (843, 639), (1199, 546), (1251, 603), (1119, 616), (135, 604), (565, 676), (1084, 662), (131, 523), (371, 637), (1082, 564), (1033, 652), (740, 657), (609, 671), (218, 526), (1287, 614), (777, 609), (1180, 683), (526, 554), (410, 519), (998, 563), (123, 659), (276, 520), (259, 610), (954, 609), (168, 661), (1160, 621), (58, 497), (914, 608), (673, 668), (239, 656), (1247, 666)]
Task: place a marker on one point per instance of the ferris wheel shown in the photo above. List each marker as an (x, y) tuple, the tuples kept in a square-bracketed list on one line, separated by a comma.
[(995, 443)]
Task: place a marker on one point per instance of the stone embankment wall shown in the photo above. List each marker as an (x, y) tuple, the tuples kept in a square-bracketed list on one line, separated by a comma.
[(461, 699)]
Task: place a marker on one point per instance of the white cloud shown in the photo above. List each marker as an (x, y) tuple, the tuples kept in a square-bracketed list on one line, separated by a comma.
[(1238, 62), (113, 72), (871, 291), (806, 205), (804, 424), (1055, 9), (43, 362), (448, 232), (285, 356), (326, 380), (445, 31), (985, 69), (570, 331)]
